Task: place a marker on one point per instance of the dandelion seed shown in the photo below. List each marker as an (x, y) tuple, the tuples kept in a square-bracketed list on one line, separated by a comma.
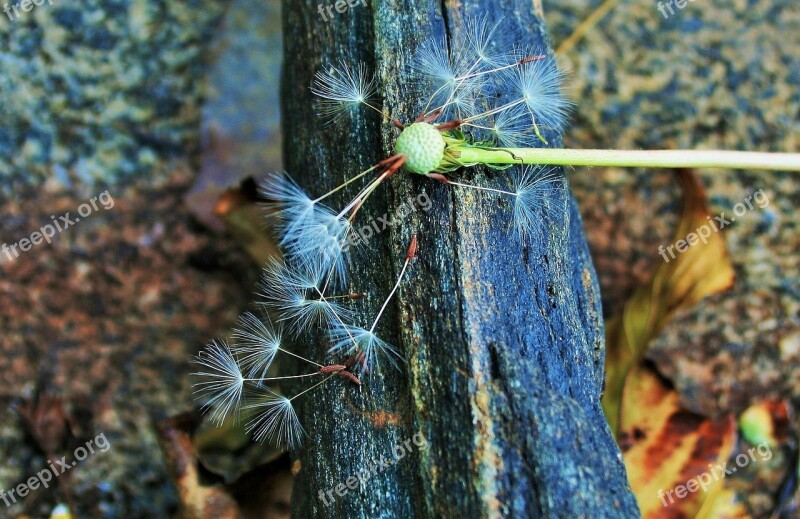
[(276, 421), (310, 232), (349, 340), (257, 344), (343, 89), (509, 128), (321, 244), (539, 85), (452, 93), (297, 294), (432, 59), (530, 187), (353, 339), (221, 381), (294, 208), (482, 41)]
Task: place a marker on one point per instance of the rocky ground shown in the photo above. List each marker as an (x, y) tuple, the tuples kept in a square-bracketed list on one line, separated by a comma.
[(144, 97)]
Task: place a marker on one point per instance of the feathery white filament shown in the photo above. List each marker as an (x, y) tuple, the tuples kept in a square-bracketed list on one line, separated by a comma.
[(530, 186), (530, 192), (221, 381), (350, 340), (257, 344), (297, 294), (343, 88), (276, 421), (539, 85)]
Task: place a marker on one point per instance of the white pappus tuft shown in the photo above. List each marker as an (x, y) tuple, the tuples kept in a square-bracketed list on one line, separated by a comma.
[(531, 184), (486, 43), (511, 129), (310, 232), (342, 89), (221, 381), (276, 421), (297, 295), (257, 344), (293, 207), (539, 85), (351, 340)]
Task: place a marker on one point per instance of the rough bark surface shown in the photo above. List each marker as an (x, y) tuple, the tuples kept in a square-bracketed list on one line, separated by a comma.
[(503, 339)]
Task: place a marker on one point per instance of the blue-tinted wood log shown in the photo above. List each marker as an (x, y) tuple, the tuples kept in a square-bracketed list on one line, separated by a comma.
[(503, 340)]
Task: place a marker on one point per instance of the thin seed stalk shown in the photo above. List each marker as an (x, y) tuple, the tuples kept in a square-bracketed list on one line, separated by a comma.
[(627, 158)]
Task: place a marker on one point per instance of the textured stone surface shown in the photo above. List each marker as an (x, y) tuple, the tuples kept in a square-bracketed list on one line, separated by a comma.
[(106, 319), (107, 95), (103, 91), (717, 74)]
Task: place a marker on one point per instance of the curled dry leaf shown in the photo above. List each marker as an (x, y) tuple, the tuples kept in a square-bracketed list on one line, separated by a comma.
[(700, 271), (244, 219), (664, 446)]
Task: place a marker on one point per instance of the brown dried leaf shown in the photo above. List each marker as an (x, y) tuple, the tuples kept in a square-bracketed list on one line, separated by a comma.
[(701, 270), (198, 500), (666, 447)]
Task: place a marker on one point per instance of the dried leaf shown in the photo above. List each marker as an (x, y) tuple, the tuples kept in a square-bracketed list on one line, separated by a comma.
[(670, 453), (700, 271), (198, 500), (673, 457)]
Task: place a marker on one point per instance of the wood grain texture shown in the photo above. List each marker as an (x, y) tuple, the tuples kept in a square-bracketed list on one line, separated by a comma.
[(503, 340)]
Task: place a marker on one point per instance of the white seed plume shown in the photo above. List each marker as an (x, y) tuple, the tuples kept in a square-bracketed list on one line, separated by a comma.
[(257, 344), (276, 421), (342, 89), (221, 381)]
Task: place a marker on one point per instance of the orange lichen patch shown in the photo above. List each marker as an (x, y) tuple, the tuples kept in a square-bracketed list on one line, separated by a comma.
[(296, 466), (486, 459), (381, 419)]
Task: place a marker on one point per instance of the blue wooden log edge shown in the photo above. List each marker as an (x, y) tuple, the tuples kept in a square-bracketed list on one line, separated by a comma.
[(497, 411)]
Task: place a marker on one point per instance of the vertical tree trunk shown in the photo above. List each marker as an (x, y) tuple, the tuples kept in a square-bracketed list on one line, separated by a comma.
[(503, 341)]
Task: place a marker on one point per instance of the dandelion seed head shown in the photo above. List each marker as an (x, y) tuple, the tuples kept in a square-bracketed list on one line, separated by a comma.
[(276, 421), (220, 381), (422, 146)]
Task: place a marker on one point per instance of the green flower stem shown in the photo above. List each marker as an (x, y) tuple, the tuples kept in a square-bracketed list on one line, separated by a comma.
[(627, 158)]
